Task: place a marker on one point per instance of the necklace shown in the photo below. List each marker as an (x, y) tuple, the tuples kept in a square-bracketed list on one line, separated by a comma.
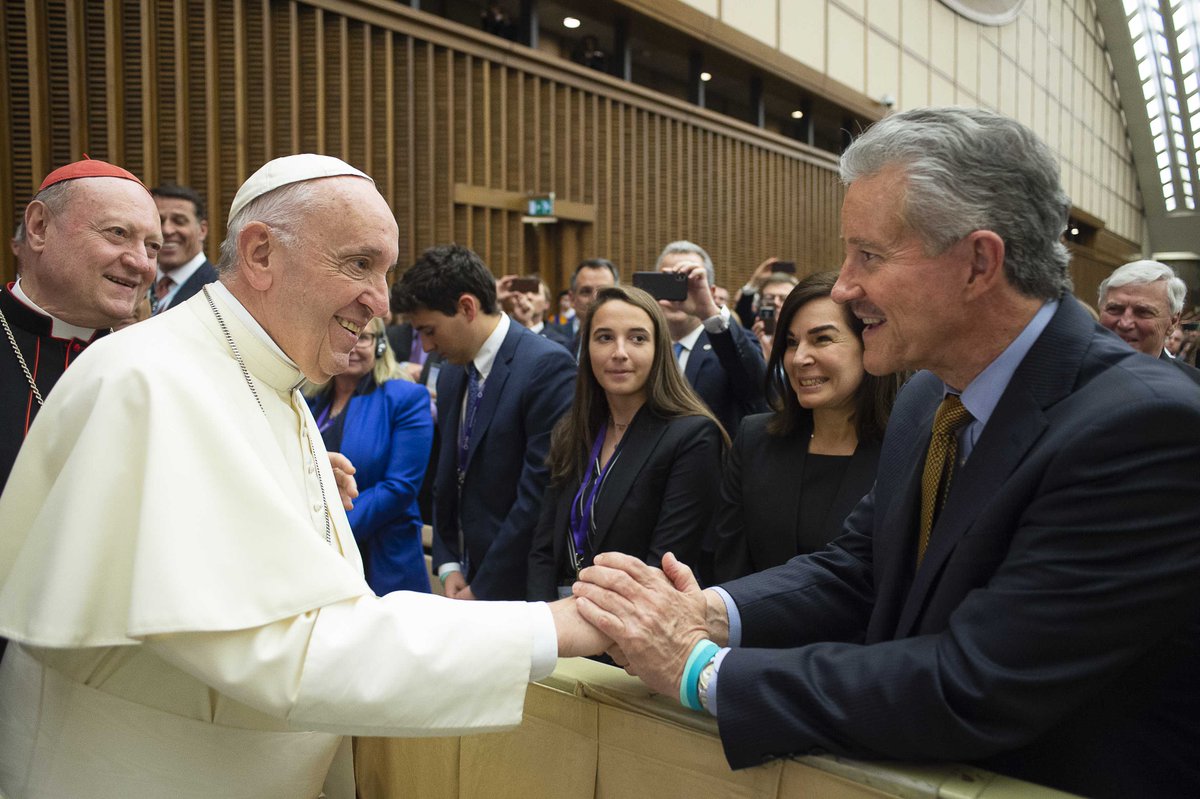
[(21, 360), (237, 356), (621, 428)]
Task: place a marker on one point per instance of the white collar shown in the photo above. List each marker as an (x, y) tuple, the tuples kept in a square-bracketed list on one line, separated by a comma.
[(58, 328), (689, 341), (486, 357), (180, 274), (248, 320)]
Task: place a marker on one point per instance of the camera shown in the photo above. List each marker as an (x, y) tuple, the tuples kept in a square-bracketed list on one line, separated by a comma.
[(662, 285), (767, 315)]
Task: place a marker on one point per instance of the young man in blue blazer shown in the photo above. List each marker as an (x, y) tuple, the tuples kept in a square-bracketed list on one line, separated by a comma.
[(500, 391)]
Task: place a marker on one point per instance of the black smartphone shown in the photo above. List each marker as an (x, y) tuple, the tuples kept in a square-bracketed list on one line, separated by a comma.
[(1190, 326), (525, 285), (784, 266), (767, 315), (662, 285)]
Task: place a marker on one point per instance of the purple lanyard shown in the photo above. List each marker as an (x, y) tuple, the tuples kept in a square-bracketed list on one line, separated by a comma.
[(581, 506)]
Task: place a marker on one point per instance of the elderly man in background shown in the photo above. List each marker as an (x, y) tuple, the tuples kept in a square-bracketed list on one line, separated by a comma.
[(1019, 588), (225, 651), (86, 253), (1141, 302)]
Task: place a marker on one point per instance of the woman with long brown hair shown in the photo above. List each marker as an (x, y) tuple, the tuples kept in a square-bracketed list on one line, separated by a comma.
[(635, 465)]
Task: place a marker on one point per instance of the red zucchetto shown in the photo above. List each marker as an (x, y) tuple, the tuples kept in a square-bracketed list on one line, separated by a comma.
[(88, 168)]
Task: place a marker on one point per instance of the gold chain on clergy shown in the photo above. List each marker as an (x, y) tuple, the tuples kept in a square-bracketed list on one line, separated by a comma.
[(237, 356), (21, 360)]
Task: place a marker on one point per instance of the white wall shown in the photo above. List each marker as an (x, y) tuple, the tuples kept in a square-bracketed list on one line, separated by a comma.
[(1047, 68)]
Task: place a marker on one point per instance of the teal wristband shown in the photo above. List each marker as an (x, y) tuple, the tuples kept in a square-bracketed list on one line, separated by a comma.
[(689, 694)]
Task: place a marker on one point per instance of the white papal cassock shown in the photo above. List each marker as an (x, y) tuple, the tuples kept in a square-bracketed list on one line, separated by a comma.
[(180, 625)]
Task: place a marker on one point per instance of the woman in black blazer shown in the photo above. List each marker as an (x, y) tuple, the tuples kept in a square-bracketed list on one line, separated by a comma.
[(794, 475), (635, 467)]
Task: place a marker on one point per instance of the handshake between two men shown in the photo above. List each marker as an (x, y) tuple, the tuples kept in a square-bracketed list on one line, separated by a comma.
[(649, 621)]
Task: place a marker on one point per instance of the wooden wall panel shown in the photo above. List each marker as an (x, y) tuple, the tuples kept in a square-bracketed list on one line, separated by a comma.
[(202, 92)]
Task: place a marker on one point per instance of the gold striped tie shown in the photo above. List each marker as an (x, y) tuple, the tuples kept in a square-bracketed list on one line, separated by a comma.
[(939, 464)]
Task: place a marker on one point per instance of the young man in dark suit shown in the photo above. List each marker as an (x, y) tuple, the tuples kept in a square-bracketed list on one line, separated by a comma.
[(183, 268), (1019, 589), (500, 391)]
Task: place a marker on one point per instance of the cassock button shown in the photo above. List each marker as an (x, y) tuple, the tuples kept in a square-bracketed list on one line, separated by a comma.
[(316, 508), (77, 346)]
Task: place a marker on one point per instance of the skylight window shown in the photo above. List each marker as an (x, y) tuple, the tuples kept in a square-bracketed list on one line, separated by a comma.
[(1166, 40)]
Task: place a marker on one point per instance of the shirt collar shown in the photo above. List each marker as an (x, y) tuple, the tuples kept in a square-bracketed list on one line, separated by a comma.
[(180, 275), (486, 357), (58, 328), (982, 394), (689, 341)]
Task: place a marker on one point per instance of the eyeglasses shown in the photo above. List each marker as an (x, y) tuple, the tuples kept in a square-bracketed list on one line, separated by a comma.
[(366, 338)]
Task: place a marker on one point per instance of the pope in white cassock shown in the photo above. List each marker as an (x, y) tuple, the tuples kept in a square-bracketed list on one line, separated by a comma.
[(183, 594)]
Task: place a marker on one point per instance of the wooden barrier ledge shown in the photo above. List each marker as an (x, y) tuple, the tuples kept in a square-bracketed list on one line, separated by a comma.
[(593, 732)]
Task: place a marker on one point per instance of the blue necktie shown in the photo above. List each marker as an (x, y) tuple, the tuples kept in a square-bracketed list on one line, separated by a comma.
[(678, 346), (474, 395)]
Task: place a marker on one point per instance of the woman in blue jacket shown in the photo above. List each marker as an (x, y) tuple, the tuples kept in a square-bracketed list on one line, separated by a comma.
[(384, 425)]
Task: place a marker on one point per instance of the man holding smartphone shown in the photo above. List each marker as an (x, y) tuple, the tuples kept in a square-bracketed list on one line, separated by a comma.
[(774, 291), (721, 361)]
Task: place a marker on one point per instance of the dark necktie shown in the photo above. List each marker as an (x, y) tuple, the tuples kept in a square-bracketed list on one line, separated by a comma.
[(474, 394), (939, 464), (160, 292)]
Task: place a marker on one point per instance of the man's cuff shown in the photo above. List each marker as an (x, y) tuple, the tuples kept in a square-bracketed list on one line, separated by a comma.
[(735, 618), (719, 323), (544, 656), (446, 569)]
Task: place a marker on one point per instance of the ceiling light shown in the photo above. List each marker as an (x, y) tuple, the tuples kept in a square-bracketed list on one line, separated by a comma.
[(570, 22), (706, 76), (797, 114)]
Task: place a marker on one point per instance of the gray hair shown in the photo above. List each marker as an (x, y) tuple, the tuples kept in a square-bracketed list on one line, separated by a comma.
[(56, 196), (283, 209), (688, 247), (1139, 273), (968, 169)]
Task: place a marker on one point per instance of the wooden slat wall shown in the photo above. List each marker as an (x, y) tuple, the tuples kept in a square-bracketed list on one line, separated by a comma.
[(204, 91)]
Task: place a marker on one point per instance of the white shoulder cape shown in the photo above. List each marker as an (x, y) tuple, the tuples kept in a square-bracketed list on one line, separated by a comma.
[(153, 495)]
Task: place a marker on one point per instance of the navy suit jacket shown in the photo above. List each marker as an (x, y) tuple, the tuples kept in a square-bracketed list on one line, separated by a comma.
[(387, 436), (1189, 371), (658, 497), (207, 273), (1052, 631), (727, 371), (530, 386)]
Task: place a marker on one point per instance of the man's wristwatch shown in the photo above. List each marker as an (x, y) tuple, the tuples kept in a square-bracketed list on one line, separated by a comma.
[(706, 675)]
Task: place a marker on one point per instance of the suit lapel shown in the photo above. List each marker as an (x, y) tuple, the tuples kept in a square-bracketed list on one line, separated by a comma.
[(786, 482), (493, 387), (1045, 376), (895, 539), (638, 445), (698, 356)]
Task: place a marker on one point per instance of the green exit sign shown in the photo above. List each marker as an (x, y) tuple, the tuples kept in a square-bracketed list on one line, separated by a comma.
[(541, 206)]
